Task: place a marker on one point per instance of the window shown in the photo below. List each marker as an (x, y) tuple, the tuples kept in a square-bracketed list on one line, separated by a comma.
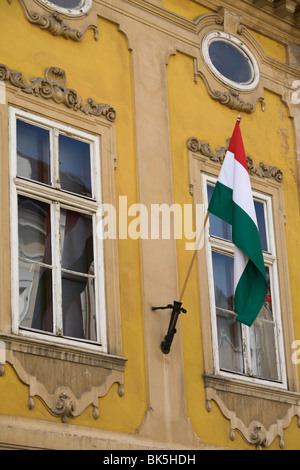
[(58, 270), (68, 7), (230, 60), (255, 352)]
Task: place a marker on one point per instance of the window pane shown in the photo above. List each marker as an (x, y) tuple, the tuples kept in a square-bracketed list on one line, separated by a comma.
[(218, 227), (260, 214), (33, 152), (34, 230), (223, 280), (262, 341), (263, 350), (229, 330), (75, 166), (229, 342), (230, 61), (66, 3), (221, 229), (76, 231), (35, 297), (266, 312), (78, 303)]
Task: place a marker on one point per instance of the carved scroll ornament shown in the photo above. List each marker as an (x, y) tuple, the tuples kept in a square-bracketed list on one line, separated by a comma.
[(231, 93), (232, 100), (273, 420), (262, 170), (54, 22), (53, 86)]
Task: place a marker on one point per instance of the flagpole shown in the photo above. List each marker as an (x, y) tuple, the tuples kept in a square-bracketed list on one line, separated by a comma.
[(192, 262), (239, 118), (177, 305)]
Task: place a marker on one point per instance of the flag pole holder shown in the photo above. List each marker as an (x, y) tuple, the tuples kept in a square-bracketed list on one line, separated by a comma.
[(177, 308)]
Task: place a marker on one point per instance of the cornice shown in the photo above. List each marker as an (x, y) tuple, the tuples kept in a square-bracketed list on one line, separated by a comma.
[(251, 389), (262, 19), (185, 31), (262, 16)]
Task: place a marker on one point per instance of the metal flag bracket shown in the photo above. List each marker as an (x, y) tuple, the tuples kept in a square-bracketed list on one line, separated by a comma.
[(177, 308)]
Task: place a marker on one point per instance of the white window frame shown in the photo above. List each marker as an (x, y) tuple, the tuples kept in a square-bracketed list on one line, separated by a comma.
[(226, 37), (49, 194), (270, 259), (81, 9)]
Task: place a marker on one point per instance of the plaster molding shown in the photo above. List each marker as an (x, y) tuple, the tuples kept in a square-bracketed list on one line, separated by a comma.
[(82, 7), (53, 86), (232, 99), (62, 400), (273, 421), (55, 22), (229, 24), (264, 14), (262, 170)]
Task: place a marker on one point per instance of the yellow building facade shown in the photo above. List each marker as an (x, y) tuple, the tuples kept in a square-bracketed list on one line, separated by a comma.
[(115, 117)]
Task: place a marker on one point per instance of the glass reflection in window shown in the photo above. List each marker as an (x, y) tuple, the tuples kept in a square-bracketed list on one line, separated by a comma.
[(35, 277), (221, 229), (75, 166), (263, 341), (67, 3), (230, 61), (34, 230), (229, 331), (78, 290), (33, 152), (262, 333)]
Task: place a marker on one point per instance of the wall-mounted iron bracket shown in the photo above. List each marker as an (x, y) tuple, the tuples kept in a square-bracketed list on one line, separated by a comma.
[(176, 310)]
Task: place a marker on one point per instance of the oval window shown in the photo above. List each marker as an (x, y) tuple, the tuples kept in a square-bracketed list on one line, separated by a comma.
[(230, 60), (66, 3), (68, 7)]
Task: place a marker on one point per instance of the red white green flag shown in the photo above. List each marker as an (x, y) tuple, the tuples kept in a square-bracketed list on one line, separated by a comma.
[(232, 201)]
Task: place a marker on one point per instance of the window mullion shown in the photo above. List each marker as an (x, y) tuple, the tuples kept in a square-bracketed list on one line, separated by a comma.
[(56, 250), (247, 350), (55, 159)]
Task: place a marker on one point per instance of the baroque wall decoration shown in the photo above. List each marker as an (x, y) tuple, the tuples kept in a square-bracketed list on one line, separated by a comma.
[(51, 18), (53, 86), (262, 169), (226, 30), (92, 374)]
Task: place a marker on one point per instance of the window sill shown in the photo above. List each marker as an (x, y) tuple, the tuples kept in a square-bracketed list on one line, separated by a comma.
[(258, 412), (76, 376), (63, 349), (273, 392)]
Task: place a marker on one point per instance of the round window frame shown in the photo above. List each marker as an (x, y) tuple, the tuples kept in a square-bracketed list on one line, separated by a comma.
[(220, 35), (83, 7)]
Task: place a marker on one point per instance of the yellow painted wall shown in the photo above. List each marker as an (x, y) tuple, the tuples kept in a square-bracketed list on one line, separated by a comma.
[(101, 70), (268, 137), (272, 48)]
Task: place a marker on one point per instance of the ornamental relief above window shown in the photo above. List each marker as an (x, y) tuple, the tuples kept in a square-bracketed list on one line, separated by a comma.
[(66, 18), (230, 62)]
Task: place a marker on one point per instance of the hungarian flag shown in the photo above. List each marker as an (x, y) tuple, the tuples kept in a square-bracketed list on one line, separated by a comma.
[(232, 202)]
